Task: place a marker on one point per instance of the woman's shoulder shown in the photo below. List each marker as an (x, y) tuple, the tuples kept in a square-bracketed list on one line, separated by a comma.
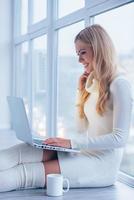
[(121, 80), (121, 87)]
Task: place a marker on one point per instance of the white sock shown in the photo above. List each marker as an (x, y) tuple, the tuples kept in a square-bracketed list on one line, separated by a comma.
[(23, 176), (20, 153)]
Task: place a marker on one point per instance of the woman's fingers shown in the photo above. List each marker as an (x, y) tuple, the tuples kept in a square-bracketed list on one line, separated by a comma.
[(58, 142), (52, 141)]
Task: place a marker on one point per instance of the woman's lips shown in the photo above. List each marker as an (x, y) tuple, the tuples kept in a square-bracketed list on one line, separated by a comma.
[(87, 68)]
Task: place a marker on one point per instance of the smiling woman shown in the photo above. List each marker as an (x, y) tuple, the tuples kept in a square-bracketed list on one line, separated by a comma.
[(105, 94)]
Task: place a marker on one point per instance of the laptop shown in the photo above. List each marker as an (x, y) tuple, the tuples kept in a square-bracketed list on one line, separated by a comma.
[(22, 129)]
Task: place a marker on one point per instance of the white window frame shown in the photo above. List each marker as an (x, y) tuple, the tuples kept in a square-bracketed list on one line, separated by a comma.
[(49, 26)]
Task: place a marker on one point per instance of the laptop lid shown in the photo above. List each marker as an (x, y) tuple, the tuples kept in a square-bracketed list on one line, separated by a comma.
[(19, 119)]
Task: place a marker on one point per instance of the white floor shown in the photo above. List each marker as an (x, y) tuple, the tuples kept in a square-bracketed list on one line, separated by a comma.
[(117, 192)]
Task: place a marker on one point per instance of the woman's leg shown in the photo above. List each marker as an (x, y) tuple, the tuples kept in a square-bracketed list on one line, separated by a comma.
[(21, 166), (52, 166), (23, 153), (20, 153), (23, 176), (27, 175)]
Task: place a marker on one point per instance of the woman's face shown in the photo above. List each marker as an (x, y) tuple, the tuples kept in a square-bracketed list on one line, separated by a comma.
[(85, 54)]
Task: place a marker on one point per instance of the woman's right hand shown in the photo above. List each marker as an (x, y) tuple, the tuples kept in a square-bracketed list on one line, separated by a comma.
[(82, 80)]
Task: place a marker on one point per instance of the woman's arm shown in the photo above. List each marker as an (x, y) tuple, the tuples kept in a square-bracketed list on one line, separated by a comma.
[(122, 109)]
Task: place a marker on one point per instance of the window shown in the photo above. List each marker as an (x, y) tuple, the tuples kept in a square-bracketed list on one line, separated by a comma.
[(68, 73), (24, 20), (22, 70), (66, 8), (39, 60), (23, 74), (121, 29), (39, 10)]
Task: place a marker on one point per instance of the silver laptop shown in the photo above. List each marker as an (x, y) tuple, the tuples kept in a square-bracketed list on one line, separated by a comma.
[(22, 129)]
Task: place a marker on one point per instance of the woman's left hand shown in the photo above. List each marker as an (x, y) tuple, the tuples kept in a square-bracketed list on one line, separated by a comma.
[(60, 142)]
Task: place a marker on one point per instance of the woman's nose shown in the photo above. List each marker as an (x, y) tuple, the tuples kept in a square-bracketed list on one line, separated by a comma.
[(80, 59)]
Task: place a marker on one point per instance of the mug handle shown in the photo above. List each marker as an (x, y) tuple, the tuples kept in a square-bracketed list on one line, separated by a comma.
[(67, 182)]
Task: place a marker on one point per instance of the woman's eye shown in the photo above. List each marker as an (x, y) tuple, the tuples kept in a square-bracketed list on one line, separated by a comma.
[(82, 52)]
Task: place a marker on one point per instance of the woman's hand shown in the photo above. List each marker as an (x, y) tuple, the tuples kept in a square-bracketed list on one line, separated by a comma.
[(60, 142), (82, 80)]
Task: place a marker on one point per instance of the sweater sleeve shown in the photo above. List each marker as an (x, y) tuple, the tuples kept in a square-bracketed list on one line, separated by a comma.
[(122, 109)]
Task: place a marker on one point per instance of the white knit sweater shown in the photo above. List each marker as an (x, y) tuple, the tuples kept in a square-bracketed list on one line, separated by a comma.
[(110, 130)]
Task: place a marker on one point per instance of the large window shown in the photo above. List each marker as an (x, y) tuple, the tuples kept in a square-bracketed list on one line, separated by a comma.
[(121, 29)]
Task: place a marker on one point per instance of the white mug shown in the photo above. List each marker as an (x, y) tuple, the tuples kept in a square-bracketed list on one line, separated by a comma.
[(55, 185)]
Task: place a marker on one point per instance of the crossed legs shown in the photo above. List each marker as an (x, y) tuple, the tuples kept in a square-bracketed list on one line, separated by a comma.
[(24, 166)]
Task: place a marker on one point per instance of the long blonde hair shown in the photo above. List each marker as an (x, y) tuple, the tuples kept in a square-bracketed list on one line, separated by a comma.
[(104, 64)]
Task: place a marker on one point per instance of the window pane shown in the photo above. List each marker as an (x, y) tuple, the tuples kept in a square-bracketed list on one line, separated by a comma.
[(22, 74), (24, 16), (121, 29), (39, 10), (68, 73), (65, 8), (39, 84)]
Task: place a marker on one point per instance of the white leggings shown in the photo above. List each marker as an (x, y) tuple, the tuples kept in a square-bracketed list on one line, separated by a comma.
[(21, 167)]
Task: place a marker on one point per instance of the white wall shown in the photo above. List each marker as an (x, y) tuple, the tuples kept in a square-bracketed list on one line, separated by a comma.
[(5, 59)]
